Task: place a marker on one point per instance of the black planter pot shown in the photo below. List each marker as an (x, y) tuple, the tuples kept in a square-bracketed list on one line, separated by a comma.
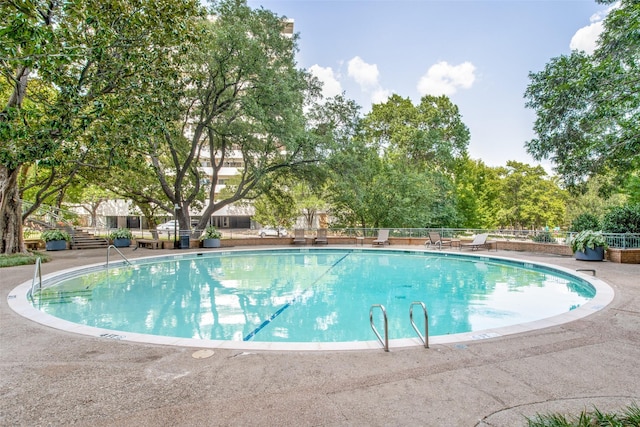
[(56, 245), (211, 243), (595, 254), (121, 243)]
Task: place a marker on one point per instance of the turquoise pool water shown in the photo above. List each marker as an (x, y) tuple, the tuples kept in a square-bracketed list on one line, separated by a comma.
[(311, 295)]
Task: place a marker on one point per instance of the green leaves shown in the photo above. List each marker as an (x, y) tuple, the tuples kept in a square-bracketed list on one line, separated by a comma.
[(588, 106)]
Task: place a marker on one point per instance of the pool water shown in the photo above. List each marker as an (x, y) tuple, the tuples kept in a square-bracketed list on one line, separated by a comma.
[(311, 295)]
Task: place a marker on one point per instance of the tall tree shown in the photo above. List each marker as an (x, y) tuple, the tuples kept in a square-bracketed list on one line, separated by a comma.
[(86, 58), (430, 134), (529, 197), (588, 106), (237, 93)]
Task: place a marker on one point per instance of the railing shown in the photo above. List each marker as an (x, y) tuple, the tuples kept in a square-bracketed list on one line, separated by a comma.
[(385, 343), (51, 217), (121, 254), (37, 274), (425, 338), (619, 240)]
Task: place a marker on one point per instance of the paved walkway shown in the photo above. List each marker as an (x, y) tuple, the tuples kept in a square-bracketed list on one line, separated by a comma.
[(56, 378)]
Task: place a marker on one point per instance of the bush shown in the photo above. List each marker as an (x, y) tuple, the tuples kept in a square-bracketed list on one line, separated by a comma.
[(544, 237), (121, 233), (51, 235), (585, 221), (587, 239), (622, 219), (210, 233)]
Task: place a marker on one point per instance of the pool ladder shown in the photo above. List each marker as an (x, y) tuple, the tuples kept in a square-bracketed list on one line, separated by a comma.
[(117, 250), (385, 342), (37, 274)]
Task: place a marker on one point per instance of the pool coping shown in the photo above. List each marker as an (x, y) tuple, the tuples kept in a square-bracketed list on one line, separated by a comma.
[(18, 301)]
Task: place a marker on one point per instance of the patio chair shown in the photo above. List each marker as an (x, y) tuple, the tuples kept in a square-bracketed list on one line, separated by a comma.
[(477, 243), (321, 237), (299, 236), (436, 240), (383, 238)]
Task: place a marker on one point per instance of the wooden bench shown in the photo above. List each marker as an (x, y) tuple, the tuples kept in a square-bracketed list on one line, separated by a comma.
[(149, 243), (33, 244)]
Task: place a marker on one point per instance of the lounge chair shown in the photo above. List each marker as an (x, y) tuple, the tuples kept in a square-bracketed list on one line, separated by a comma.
[(436, 240), (299, 236), (479, 242), (321, 237), (382, 239)]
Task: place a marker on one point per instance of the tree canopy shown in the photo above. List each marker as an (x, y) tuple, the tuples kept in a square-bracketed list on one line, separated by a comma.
[(67, 69), (588, 106)]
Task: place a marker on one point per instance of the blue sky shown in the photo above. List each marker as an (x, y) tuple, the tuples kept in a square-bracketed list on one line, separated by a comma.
[(479, 53)]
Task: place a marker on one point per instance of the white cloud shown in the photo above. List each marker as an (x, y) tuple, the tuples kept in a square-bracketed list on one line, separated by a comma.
[(586, 37), (380, 96), (366, 75), (331, 86), (445, 79)]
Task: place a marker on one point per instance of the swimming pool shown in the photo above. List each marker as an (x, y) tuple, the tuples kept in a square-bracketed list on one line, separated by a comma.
[(313, 298)]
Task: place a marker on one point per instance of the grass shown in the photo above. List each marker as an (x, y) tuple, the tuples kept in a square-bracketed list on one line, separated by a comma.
[(21, 259), (630, 417)]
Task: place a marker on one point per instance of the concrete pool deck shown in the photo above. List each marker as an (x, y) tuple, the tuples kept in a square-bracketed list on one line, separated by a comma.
[(53, 377)]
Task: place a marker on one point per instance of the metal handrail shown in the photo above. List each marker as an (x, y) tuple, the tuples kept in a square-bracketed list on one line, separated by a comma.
[(425, 338), (385, 344), (117, 250), (37, 273)]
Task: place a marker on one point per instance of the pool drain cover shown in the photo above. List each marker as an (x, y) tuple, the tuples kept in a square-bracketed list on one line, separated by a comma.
[(202, 354)]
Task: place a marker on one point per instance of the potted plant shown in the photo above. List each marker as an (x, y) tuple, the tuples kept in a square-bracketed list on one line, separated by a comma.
[(210, 237), (588, 245), (121, 238), (55, 240)]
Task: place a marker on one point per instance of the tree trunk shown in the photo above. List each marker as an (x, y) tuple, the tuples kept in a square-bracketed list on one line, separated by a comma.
[(11, 240)]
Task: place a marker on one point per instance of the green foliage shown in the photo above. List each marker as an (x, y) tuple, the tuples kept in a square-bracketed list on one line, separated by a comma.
[(55, 234), (210, 233), (29, 233), (585, 221), (276, 206), (529, 197), (593, 199), (121, 233), (623, 219), (587, 239), (544, 237), (630, 417), (70, 72), (430, 134), (588, 106), (22, 259)]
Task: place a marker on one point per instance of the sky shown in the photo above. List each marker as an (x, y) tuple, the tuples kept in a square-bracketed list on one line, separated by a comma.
[(477, 52)]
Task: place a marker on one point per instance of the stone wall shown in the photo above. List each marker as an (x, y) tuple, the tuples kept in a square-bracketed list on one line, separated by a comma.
[(624, 256)]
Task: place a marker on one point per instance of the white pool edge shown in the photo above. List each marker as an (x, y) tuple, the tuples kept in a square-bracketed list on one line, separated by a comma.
[(18, 301)]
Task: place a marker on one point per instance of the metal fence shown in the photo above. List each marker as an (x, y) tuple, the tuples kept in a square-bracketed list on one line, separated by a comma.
[(619, 240)]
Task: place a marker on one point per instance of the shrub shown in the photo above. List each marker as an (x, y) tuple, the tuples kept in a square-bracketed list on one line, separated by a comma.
[(622, 219), (587, 239), (585, 221), (210, 233), (544, 237), (51, 235), (121, 233)]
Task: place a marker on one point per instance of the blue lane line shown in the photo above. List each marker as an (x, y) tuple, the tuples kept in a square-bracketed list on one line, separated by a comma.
[(287, 305)]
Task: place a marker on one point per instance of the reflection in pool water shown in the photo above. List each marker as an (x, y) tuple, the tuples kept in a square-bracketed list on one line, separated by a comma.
[(311, 295)]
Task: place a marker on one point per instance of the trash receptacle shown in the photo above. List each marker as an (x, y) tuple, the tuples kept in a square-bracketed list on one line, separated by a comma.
[(184, 240)]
